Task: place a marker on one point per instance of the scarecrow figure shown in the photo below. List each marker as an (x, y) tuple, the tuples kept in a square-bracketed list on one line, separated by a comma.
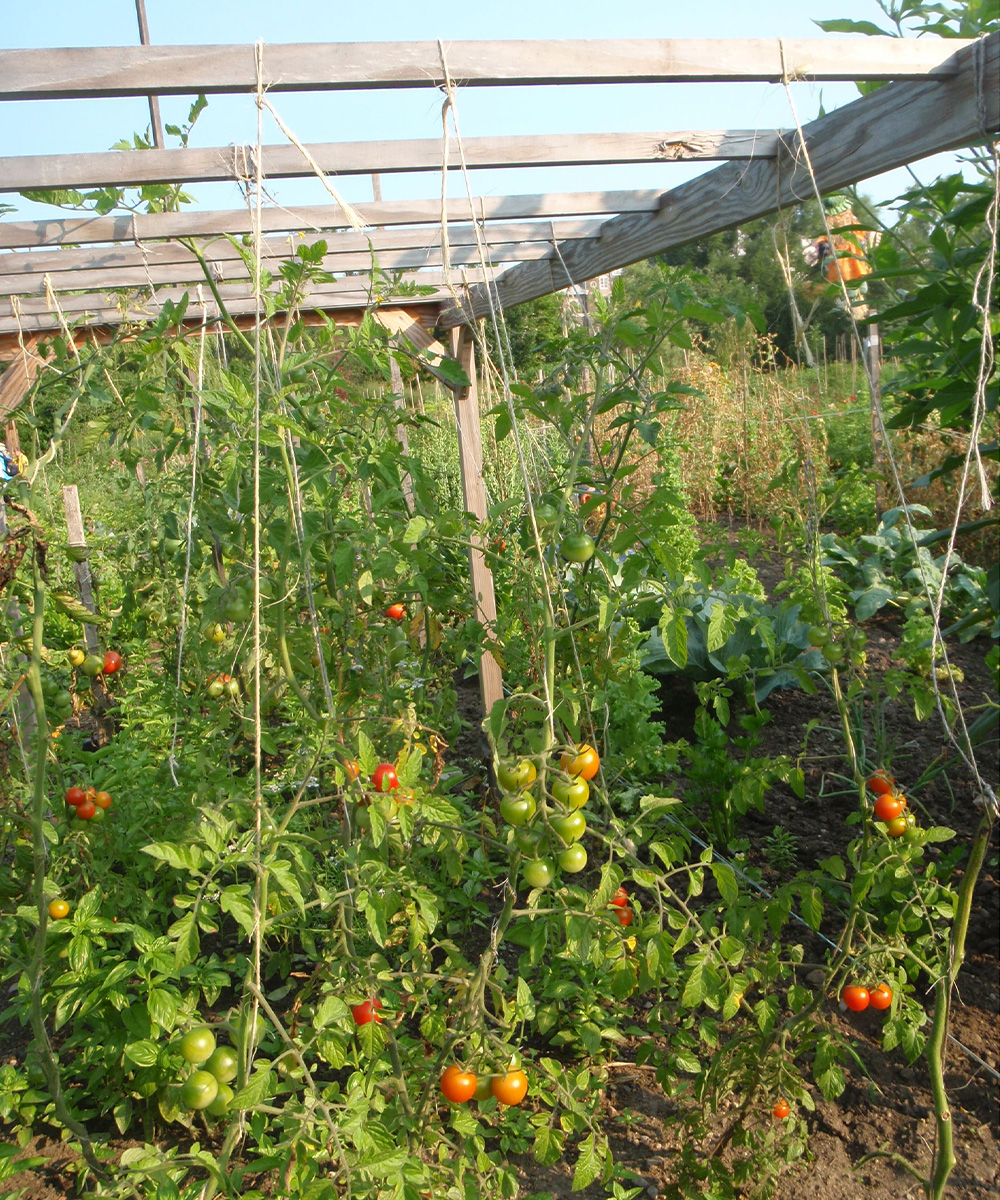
[(843, 255), (10, 468)]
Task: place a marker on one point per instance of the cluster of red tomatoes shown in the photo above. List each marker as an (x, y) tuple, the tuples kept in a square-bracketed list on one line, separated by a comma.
[(459, 1086), (858, 998), (207, 1088), (89, 804), (890, 805), (383, 780), (557, 829), (93, 665)]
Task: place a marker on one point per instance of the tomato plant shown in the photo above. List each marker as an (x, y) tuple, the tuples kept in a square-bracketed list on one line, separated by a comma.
[(577, 548), (887, 807), (518, 810), (781, 1110), (458, 1085), (538, 872)]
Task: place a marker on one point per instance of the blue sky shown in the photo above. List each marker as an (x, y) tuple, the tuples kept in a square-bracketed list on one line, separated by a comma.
[(39, 127)]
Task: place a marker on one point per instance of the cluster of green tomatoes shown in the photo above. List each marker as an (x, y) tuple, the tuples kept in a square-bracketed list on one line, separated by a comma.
[(549, 836)]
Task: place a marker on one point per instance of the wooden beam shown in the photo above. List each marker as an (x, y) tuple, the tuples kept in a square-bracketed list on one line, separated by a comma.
[(153, 254), (897, 124), (130, 168), (186, 70), (470, 457), (16, 380), (144, 227)]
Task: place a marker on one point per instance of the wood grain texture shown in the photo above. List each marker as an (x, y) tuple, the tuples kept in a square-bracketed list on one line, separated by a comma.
[(78, 231), (187, 70), (19, 375), (131, 168), (897, 124), (276, 249)]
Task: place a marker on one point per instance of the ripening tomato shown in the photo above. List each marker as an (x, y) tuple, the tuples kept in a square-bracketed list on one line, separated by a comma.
[(585, 762), (855, 997), (58, 909), (881, 783), (395, 612), (112, 662), (625, 916), (619, 899), (484, 1088), (513, 777), (887, 807), (86, 810), (102, 799), (896, 827), (75, 796), (880, 997), (352, 769), (781, 1110), (367, 1011), (574, 793), (215, 633), (92, 666), (385, 778), (76, 657), (458, 1085), (511, 1088)]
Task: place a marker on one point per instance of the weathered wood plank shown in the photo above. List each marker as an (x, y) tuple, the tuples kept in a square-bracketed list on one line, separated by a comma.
[(470, 457), (79, 231), (130, 168), (897, 124), (152, 254), (186, 70)]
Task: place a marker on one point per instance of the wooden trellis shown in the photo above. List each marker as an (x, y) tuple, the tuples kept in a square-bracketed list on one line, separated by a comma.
[(103, 272)]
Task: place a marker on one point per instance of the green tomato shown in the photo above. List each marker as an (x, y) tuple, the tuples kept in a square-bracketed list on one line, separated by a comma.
[(545, 515), (572, 859), (92, 665), (573, 793), (515, 776), (484, 1088), (223, 1064), (518, 810), (199, 1090), (531, 842), (232, 688), (570, 827), (198, 1045), (539, 872), (220, 1105), (215, 633), (216, 688), (577, 548), (817, 636)]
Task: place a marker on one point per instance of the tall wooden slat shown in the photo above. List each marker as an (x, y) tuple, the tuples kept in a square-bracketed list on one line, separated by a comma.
[(470, 455), (121, 168), (77, 538), (897, 124), (187, 70), (146, 227)]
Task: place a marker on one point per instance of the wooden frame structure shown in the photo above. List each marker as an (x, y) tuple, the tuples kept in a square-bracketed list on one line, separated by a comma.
[(99, 273)]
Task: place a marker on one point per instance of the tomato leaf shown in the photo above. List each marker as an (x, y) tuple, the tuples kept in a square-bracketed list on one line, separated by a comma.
[(588, 1165), (259, 1087), (725, 878)]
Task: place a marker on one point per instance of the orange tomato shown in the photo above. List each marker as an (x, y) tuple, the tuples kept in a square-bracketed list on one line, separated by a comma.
[(881, 783), (585, 763), (458, 1085), (880, 997), (781, 1110), (887, 807), (511, 1088)]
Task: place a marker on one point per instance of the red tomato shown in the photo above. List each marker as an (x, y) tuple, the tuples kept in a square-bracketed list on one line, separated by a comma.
[(625, 916), (76, 796), (881, 783), (887, 807), (112, 662), (384, 778), (395, 612), (511, 1088), (458, 1085), (880, 997), (86, 810), (620, 898), (856, 998), (781, 1110), (366, 1012)]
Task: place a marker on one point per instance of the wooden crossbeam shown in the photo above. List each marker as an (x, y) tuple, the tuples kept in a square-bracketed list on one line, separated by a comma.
[(339, 245), (186, 70), (36, 315), (80, 231), (131, 168), (897, 124)]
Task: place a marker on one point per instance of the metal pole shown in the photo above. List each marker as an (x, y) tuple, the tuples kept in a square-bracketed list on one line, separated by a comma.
[(154, 102)]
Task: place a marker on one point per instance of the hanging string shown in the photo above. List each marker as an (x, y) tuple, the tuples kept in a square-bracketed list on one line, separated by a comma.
[(964, 747), (185, 586)]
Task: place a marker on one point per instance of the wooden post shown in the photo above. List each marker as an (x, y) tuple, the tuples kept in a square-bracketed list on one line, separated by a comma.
[(873, 358), (155, 124), (25, 704), (74, 526), (470, 457)]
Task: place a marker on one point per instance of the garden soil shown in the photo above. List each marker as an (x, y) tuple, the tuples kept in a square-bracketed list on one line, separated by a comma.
[(887, 1106)]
